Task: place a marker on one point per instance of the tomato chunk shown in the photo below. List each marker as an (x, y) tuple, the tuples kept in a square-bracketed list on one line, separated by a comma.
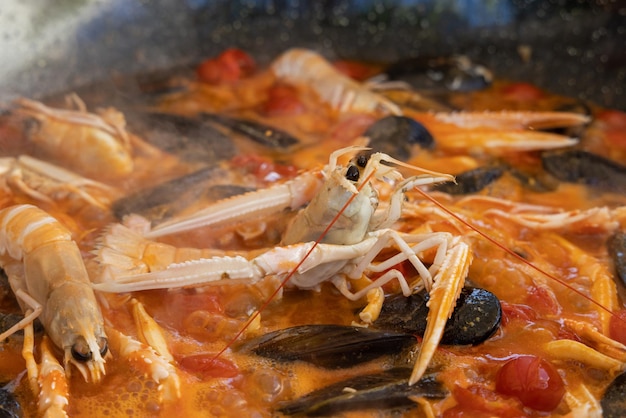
[(617, 326), (533, 380), (478, 402), (206, 365), (230, 66), (282, 100), (522, 92)]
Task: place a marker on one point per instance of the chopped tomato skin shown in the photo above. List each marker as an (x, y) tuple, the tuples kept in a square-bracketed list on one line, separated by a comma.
[(230, 66), (615, 131), (207, 366), (263, 168), (542, 301), (617, 326), (522, 92), (477, 402), (514, 311), (533, 380), (282, 100), (354, 69)]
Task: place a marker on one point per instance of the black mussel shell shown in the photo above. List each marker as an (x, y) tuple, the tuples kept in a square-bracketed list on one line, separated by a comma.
[(578, 166), (329, 346), (614, 400), (265, 135), (441, 73), (9, 406), (617, 251), (386, 390), (191, 139), (472, 181), (476, 317), (165, 200), (396, 135)]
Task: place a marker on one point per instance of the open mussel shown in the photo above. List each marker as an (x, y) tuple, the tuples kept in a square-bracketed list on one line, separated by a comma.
[(614, 400), (441, 73), (265, 135), (329, 346), (165, 200), (386, 390), (191, 139), (578, 166), (476, 317), (472, 181), (397, 135)]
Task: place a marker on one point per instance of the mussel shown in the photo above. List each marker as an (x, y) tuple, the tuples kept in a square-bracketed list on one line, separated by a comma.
[(476, 317), (614, 400), (617, 251), (329, 346), (9, 406), (578, 166), (397, 135), (191, 139), (165, 200), (472, 181), (386, 390), (441, 73), (265, 135)]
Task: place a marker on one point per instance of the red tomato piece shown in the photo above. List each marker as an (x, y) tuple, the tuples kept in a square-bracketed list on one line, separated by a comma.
[(264, 169), (355, 69), (615, 131), (613, 118), (514, 311), (230, 66), (533, 380), (206, 365), (617, 326), (522, 92), (542, 301), (477, 402), (282, 101)]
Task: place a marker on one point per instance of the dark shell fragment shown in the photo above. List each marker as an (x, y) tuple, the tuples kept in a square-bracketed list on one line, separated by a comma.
[(471, 181), (167, 199), (614, 400), (9, 406), (386, 390), (617, 251), (578, 166), (265, 135), (441, 73), (396, 135), (191, 139), (476, 317), (329, 346)]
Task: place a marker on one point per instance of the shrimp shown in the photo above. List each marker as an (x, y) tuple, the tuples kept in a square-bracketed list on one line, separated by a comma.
[(301, 66), (47, 275), (49, 183), (91, 144), (344, 253)]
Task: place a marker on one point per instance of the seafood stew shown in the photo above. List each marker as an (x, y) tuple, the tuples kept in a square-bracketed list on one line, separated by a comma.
[(354, 236)]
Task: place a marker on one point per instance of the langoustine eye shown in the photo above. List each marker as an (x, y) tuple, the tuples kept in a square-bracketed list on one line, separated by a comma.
[(81, 351)]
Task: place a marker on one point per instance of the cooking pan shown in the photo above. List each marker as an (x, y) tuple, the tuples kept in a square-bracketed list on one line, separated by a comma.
[(574, 48)]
